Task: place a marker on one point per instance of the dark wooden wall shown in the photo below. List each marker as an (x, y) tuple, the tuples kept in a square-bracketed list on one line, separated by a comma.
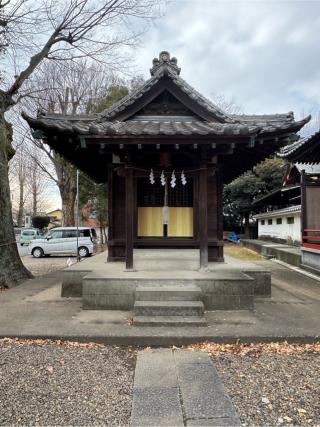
[(116, 242), (313, 207)]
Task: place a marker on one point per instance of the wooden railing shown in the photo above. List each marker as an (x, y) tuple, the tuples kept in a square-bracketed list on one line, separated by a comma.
[(311, 238)]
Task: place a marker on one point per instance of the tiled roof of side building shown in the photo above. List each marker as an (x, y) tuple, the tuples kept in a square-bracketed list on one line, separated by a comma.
[(279, 212), (305, 150)]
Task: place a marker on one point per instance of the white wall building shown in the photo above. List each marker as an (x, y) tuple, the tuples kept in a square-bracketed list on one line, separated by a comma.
[(283, 225)]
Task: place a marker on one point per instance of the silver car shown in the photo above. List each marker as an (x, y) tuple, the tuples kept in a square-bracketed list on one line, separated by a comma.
[(63, 240)]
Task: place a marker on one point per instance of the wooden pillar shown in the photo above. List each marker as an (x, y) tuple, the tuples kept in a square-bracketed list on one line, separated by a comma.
[(219, 182), (129, 217), (110, 203), (203, 218), (219, 204), (304, 217)]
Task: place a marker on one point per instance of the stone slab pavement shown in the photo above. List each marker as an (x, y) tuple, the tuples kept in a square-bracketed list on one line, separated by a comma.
[(36, 309), (177, 388)]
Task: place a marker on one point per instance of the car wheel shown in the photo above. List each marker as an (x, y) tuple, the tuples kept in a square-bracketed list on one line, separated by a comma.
[(37, 252), (83, 252)]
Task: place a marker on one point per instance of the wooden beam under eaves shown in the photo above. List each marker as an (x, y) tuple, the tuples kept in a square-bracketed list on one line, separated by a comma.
[(83, 143), (102, 148), (251, 143)]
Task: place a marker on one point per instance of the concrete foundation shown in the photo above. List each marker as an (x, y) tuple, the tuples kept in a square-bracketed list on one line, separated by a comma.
[(311, 259), (233, 291), (285, 253), (72, 282), (261, 282), (107, 286)]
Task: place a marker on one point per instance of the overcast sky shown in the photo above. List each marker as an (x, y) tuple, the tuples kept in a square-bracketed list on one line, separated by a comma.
[(264, 53)]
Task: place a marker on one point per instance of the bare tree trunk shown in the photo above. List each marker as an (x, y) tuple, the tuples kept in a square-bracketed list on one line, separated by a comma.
[(35, 190), (67, 182), (21, 203), (11, 268), (68, 196), (34, 204), (21, 170), (101, 235)]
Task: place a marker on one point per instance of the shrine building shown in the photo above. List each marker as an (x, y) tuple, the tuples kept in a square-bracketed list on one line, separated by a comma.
[(165, 152)]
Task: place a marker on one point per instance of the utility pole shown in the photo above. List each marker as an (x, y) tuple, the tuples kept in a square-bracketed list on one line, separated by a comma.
[(78, 256)]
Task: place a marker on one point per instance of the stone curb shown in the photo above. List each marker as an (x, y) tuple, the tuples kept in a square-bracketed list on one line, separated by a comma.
[(165, 339)]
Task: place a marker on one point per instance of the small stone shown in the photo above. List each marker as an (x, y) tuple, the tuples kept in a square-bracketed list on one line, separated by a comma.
[(265, 400), (280, 420)]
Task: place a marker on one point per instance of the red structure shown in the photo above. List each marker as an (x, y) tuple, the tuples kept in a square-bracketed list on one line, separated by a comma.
[(307, 151)]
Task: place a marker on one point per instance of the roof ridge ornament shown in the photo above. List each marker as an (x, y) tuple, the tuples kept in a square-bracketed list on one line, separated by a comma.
[(164, 63)]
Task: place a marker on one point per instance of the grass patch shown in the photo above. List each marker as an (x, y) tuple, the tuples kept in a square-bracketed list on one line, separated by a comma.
[(238, 251)]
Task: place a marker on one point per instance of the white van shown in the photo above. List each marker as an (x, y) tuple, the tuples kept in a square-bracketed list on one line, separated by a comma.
[(63, 240)]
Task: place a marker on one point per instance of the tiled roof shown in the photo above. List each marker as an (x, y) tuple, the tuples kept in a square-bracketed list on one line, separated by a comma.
[(264, 119), (217, 122), (305, 150), (152, 127), (158, 127), (279, 212), (309, 169), (182, 84)]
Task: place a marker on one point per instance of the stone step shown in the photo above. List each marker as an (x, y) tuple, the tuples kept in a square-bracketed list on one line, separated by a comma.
[(169, 321), (168, 308), (159, 254), (168, 293), (166, 264), (166, 259)]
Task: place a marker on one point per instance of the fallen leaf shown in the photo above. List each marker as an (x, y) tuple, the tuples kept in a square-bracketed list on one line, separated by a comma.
[(50, 369)]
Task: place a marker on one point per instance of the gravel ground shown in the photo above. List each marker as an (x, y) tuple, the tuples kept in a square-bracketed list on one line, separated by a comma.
[(41, 266), (54, 384), (273, 389)]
